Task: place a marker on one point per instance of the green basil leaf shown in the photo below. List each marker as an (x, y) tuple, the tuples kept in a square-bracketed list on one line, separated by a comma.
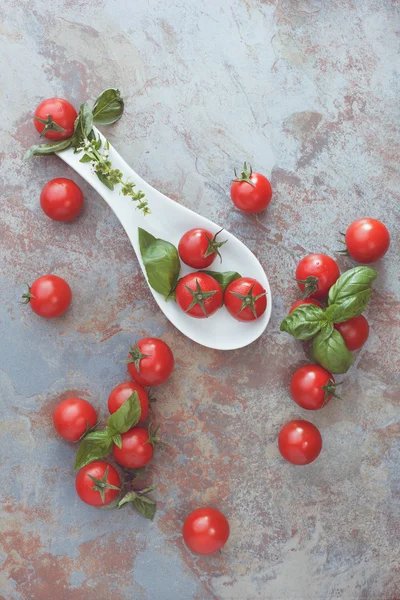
[(108, 107), (146, 506), (95, 445), (304, 322), (42, 149), (86, 159), (225, 278), (117, 439), (161, 261), (125, 417), (86, 119), (104, 179), (326, 330), (331, 352), (349, 307), (352, 282)]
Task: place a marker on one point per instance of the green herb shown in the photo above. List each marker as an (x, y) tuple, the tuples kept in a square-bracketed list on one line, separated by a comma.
[(122, 419), (146, 506), (108, 107), (304, 322), (161, 261), (351, 293), (45, 149), (93, 446), (225, 278), (331, 352), (49, 125)]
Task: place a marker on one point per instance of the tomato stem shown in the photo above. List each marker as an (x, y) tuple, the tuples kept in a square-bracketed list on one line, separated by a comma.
[(27, 295), (245, 175), (248, 300), (330, 390), (214, 246), (136, 356), (198, 297), (49, 125), (101, 485), (310, 285)]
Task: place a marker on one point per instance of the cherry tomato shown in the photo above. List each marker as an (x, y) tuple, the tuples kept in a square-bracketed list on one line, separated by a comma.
[(316, 274), (355, 332), (198, 248), (73, 417), (98, 484), (299, 442), (199, 295), (49, 296), (312, 387), (123, 391), (245, 299), (367, 240), (251, 192), (205, 530), (61, 199), (304, 301), (150, 362), (137, 448), (55, 118)]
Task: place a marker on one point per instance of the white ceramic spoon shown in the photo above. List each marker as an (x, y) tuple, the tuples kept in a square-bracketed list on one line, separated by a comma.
[(169, 220)]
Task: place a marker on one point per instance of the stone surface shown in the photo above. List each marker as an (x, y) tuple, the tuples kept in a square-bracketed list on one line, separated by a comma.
[(307, 91)]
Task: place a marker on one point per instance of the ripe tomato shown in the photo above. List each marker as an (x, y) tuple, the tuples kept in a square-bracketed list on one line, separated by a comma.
[(367, 240), (199, 295), (312, 387), (198, 248), (61, 199), (245, 299), (55, 118), (123, 391), (150, 362), (137, 448), (73, 417), (304, 301), (205, 530), (251, 192), (98, 484), (49, 296), (354, 331), (316, 274), (299, 442)]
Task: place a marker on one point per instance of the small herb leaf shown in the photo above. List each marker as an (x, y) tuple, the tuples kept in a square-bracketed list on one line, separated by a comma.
[(108, 107), (42, 149), (95, 445), (104, 179), (125, 417), (304, 322), (331, 352), (351, 283), (146, 506), (161, 261), (86, 119), (224, 278)]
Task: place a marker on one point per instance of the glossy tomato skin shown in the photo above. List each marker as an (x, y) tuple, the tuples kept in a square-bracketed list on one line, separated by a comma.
[(73, 417), (205, 530), (135, 453), (321, 266), (305, 301), (299, 442), (61, 199), (306, 387), (51, 296), (355, 332), (123, 391), (84, 485), (62, 112), (193, 247), (157, 364), (205, 284), (249, 198), (245, 287), (367, 240)]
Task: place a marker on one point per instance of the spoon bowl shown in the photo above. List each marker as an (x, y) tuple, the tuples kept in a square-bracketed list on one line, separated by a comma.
[(169, 221)]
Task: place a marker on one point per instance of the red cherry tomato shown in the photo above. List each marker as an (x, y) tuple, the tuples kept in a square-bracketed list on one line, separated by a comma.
[(199, 295), (304, 301), (137, 448), (245, 299), (355, 332), (299, 442), (251, 192), (123, 391), (98, 484), (367, 240), (73, 417), (49, 296), (316, 274), (312, 387), (150, 362), (205, 530), (55, 118), (61, 199), (198, 248)]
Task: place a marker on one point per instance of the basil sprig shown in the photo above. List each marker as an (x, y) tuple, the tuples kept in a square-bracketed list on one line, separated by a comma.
[(161, 261), (141, 502), (98, 444)]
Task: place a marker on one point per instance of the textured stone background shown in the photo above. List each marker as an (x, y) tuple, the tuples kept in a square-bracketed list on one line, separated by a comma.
[(308, 91)]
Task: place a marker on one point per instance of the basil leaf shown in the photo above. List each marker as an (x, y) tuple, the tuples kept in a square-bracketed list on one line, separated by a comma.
[(331, 352), (161, 261), (85, 159), (117, 439), (42, 149), (225, 278), (125, 417), (95, 445), (108, 107), (146, 506), (86, 119), (304, 322), (104, 179), (352, 282), (349, 307)]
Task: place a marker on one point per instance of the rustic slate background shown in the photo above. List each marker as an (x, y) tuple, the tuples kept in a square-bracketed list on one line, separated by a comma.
[(308, 92)]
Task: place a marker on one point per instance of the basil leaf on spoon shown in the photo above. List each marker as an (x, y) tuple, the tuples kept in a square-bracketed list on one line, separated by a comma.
[(161, 261)]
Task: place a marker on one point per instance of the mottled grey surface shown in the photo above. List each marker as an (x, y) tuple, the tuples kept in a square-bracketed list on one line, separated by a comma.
[(308, 91)]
